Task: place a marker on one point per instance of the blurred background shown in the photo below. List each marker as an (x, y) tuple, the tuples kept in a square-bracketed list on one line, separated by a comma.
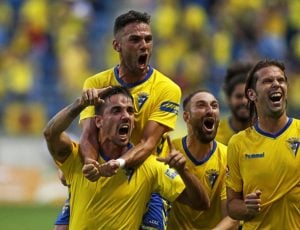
[(49, 47)]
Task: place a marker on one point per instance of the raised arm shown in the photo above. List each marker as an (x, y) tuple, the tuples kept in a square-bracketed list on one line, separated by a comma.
[(194, 193), (58, 142)]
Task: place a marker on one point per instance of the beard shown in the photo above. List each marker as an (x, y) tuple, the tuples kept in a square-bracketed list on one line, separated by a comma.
[(241, 118), (204, 137)]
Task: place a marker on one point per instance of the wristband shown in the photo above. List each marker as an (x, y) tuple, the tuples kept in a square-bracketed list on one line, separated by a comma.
[(121, 162)]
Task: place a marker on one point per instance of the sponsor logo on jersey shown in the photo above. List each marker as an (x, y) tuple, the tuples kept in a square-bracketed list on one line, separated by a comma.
[(171, 173), (170, 107), (254, 155), (293, 143)]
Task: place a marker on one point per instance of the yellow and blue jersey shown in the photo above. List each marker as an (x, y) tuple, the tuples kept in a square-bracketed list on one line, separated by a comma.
[(156, 98), (270, 163), (211, 172), (116, 202), (225, 131)]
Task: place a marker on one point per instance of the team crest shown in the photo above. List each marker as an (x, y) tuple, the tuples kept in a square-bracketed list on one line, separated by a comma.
[(212, 176), (141, 99), (293, 143)]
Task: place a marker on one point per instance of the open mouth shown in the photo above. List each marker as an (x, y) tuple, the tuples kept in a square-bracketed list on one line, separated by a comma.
[(143, 60), (123, 130), (275, 97), (208, 123)]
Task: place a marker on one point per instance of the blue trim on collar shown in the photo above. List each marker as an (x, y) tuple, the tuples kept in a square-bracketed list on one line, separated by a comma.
[(131, 85), (192, 158), (106, 158), (290, 120)]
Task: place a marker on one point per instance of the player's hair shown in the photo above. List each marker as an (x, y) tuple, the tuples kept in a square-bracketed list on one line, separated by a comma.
[(188, 98), (130, 17), (236, 74), (110, 92), (252, 79)]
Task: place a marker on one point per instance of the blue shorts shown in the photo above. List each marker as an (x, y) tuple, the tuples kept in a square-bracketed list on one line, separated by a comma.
[(64, 216), (157, 212)]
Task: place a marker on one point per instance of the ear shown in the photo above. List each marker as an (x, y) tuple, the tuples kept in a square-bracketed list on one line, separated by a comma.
[(251, 94), (98, 121), (186, 116), (116, 46)]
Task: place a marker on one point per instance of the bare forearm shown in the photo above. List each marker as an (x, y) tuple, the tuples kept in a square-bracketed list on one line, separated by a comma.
[(136, 155), (194, 191), (237, 210), (227, 223), (61, 121), (89, 145)]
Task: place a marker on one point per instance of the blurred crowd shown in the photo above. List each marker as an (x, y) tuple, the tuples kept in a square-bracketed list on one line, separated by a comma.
[(49, 47)]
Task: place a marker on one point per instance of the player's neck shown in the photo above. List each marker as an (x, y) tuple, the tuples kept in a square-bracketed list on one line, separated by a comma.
[(271, 124), (198, 149), (237, 125), (113, 151), (131, 77)]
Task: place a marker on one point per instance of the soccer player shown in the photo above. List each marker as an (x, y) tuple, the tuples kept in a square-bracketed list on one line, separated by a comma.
[(234, 88), (156, 100), (156, 97), (206, 159), (119, 201), (263, 184)]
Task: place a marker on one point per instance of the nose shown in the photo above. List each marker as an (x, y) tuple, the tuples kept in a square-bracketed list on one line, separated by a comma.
[(244, 100), (209, 110), (125, 116), (143, 44)]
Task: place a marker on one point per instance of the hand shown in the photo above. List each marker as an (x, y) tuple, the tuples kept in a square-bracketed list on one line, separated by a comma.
[(92, 96), (92, 170), (253, 202), (175, 159)]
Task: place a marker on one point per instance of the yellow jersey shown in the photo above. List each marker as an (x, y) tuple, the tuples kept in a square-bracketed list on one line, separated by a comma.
[(270, 163), (156, 98), (116, 202), (225, 131), (211, 173)]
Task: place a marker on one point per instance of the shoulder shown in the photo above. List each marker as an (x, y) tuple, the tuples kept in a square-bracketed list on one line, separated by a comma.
[(221, 147), (163, 80), (106, 74), (242, 135)]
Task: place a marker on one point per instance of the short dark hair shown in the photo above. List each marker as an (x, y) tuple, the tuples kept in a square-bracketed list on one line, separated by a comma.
[(252, 79), (188, 98), (130, 17), (236, 74), (110, 92)]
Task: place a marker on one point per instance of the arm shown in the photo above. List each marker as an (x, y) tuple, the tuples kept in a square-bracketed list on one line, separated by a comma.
[(226, 223), (240, 208), (135, 156), (58, 142), (153, 131), (194, 193), (88, 140)]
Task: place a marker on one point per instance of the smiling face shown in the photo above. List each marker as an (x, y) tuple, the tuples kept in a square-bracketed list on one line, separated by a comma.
[(202, 116), (270, 94), (134, 43), (238, 103), (117, 121)]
